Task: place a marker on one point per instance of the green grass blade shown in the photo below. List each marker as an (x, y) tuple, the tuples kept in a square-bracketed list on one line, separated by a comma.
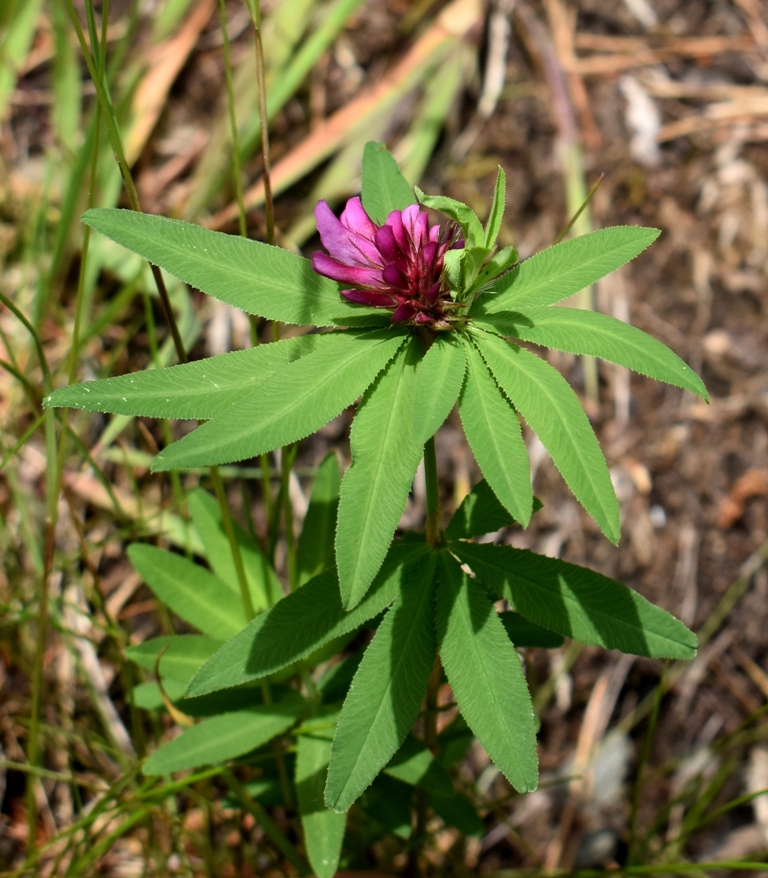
[(492, 428), (184, 654), (194, 391), (438, 381), (226, 736), (386, 692), (486, 675), (188, 589), (263, 584), (551, 408), (323, 828), (310, 392), (375, 488), (577, 602), (300, 624), (315, 550), (562, 270), (262, 280), (384, 188), (597, 335)]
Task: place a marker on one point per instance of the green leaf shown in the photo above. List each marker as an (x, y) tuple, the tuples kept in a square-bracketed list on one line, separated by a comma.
[(198, 390), (375, 488), (147, 696), (225, 737), (387, 802), (588, 332), (386, 692), (262, 280), (308, 394), (263, 584), (549, 405), (524, 633), (384, 188), (496, 266), (315, 550), (323, 828), (577, 602), (439, 377), (184, 655), (480, 513), (188, 589), (300, 624), (457, 810), (566, 268), (415, 765), (493, 431), (486, 676), (474, 236), (497, 209)]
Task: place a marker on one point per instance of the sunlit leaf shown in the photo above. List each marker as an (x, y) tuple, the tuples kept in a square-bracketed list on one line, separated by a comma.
[(438, 381), (384, 187)]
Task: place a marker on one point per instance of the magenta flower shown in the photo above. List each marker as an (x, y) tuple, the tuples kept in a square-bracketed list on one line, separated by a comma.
[(397, 266)]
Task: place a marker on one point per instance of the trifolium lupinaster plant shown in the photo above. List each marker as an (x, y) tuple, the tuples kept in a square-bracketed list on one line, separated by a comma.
[(410, 318)]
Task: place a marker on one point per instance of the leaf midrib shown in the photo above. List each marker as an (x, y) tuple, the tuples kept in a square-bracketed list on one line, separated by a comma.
[(564, 421), (490, 689), (573, 602)]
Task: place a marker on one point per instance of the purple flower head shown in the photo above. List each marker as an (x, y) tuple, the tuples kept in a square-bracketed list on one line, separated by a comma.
[(397, 266)]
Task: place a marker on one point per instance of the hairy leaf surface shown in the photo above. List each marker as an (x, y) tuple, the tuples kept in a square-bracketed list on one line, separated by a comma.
[(384, 187), (486, 676), (308, 394), (375, 488), (562, 270), (597, 335), (386, 692), (301, 623), (480, 513), (577, 602), (493, 431), (263, 280), (438, 381), (549, 405)]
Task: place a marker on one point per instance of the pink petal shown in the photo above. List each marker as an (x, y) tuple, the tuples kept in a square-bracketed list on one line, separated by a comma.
[(395, 222), (344, 245), (394, 277), (346, 274), (385, 241), (403, 312), (357, 220), (367, 297)]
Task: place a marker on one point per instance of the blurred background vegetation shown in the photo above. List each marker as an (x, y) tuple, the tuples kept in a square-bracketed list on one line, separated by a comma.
[(646, 768)]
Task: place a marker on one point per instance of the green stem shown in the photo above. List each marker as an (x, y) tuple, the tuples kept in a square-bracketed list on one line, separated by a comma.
[(432, 526), (271, 829)]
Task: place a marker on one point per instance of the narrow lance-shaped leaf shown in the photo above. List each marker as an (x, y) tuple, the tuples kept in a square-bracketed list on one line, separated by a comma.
[(474, 235), (323, 827), (438, 381), (300, 624), (188, 589), (315, 550), (549, 405), (384, 187), (261, 279), (480, 513), (182, 654), (310, 393), (497, 209), (597, 335), (493, 431), (375, 488), (415, 765), (263, 584), (486, 676), (226, 736), (387, 691), (562, 270), (196, 390), (577, 602)]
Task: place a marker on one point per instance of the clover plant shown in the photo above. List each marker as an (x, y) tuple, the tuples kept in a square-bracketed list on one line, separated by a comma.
[(410, 318)]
